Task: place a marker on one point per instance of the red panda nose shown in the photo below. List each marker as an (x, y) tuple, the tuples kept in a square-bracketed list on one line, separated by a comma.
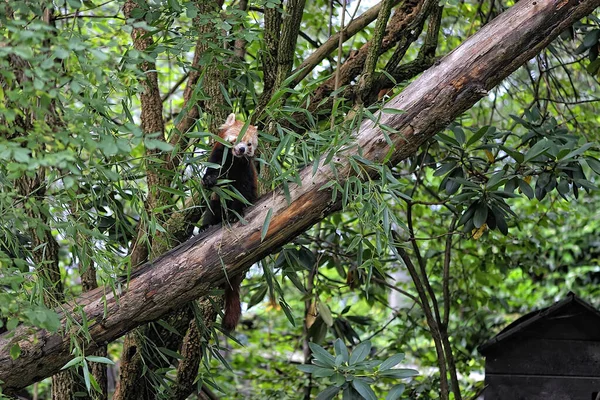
[(241, 150)]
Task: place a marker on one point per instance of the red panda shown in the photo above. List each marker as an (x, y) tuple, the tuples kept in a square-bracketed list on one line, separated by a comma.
[(238, 167)]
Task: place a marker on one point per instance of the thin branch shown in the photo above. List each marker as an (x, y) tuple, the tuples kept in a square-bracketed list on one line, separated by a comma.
[(175, 87), (431, 321), (422, 264), (61, 17), (396, 289), (444, 325), (446, 273), (339, 59), (322, 52)]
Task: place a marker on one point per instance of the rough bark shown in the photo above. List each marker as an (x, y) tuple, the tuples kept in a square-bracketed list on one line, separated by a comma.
[(272, 20), (192, 349), (137, 353), (151, 122), (367, 77), (44, 246), (399, 27), (289, 37), (441, 94), (98, 370), (331, 44)]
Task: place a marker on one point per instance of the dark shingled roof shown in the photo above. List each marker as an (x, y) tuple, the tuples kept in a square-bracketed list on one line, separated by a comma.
[(533, 317)]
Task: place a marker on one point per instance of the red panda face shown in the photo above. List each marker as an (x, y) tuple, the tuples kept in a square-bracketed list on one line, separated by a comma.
[(230, 131)]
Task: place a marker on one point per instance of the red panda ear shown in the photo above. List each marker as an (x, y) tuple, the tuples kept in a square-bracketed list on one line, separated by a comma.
[(230, 121)]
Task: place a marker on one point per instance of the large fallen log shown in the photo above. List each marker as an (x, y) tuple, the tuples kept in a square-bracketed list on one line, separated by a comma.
[(432, 101)]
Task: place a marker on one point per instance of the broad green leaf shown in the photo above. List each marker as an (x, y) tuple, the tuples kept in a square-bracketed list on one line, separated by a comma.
[(364, 389), (328, 393), (325, 313), (308, 368), (399, 373), (391, 362), (360, 352), (321, 354), (341, 349), (536, 150), (395, 392), (480, 215), (478, 135), (594, 164)]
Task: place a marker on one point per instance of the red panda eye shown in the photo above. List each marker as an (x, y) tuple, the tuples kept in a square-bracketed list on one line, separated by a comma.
[(249, 144)]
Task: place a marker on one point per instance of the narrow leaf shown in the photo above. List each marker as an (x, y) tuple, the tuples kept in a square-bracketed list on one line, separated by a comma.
[(98, 359), (265, 227)]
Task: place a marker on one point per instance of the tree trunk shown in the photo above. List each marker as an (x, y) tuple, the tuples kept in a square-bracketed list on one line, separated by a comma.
[(431, 102)]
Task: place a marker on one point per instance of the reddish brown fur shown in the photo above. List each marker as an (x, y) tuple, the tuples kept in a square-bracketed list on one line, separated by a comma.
[(238, 167)]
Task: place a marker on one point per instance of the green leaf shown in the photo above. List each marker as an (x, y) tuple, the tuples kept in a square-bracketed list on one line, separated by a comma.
[(323, 372), (536, 150), (288, 312), (325, 313), (459, 134), (341, 349), (173, 191), (170, 353), (392, 111), (321, 354), (399, 373), (395, 392), (265, 228), (364, 389), (391, 362), (518, 157), (168, 327), (360, 352), (526, 189), (258, 295), (495, 180), (445, 168), (577, 152), (98, 359), (594, 164), (480, 215), (74, 3), (447, 140), (328, 393), (74, 361), (591, 38), (500, 221), (308, 368), (15, 351), (478, 135)]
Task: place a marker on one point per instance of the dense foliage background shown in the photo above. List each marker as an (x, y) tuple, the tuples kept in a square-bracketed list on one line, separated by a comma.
[(108, 110)]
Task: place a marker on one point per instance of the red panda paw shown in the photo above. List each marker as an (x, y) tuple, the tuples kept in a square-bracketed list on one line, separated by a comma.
[(209, 180)]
